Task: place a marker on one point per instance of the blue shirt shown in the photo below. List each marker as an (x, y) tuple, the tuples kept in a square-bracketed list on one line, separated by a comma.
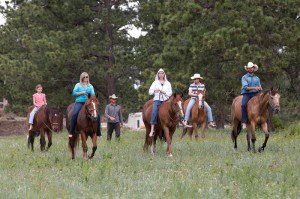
[(194, 88), (79, 88), (249, 81)]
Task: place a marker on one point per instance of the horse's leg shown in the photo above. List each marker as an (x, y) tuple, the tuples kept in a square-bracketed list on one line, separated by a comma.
[(84, 145), (147, 139), (49, 135), (153, 145), (190, 131), (31, 139), (42, 140), (195, 128), (184, 131), (264, 127), (94, 141), (169, 140), (234, 133), (248, 140), (251, 130)]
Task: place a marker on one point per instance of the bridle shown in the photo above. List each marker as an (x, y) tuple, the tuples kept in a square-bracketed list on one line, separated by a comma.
[(87, 110)]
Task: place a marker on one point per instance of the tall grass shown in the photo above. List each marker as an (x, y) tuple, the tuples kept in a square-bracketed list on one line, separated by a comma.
[(209, 168)]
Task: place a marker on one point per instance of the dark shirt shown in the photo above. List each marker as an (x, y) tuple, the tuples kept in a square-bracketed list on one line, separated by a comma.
[(113, 111)]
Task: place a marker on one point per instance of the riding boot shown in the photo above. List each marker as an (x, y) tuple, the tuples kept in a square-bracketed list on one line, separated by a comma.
[(152, 130)]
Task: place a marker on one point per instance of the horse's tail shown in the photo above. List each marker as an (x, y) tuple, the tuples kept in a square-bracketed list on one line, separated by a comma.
[(74, 142)]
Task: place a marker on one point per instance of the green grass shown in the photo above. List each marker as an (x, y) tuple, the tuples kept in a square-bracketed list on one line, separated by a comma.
[(204, 169)]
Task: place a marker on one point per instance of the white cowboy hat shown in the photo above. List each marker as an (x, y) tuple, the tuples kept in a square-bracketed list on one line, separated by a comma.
[(113, 96), (197, 76), (250, 65)]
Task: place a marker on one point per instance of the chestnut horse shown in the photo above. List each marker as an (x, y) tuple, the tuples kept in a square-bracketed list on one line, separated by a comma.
[(257, 112), (86, 125), (169, 113), (197, 116), (46, 120)]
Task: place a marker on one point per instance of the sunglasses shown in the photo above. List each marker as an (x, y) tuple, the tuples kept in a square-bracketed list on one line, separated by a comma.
[(85, 77)]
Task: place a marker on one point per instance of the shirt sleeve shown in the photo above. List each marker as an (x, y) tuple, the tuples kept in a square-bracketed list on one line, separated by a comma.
[(152, 88), (190, 88), (258, 81), (106, 112), (33, 97), (120, 116), (91, 90), (169, 90), (76, 89), (244, 82)]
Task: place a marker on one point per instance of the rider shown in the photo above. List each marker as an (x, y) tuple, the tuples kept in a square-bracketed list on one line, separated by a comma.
[(39, 99), (250, 87), (161, 89), (194, 87), (81, 91)]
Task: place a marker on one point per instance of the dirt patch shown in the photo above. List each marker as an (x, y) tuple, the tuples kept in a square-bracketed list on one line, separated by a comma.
[(13, 127)]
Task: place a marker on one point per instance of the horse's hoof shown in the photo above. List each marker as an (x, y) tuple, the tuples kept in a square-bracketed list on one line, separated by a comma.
[(260, 149)]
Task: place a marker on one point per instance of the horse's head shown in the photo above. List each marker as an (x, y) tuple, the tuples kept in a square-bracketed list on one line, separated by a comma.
[(200, 97), (274, 97), (92, 107), (176, 104), (55, 118)]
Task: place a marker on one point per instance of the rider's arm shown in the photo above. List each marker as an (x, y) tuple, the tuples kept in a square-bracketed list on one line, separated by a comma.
[(169, 90), (192, 94), (45, 101), (76, 91), (152, 89)]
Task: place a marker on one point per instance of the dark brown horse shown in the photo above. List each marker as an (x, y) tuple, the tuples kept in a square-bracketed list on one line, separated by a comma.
[(257, 112), (169, 114), (86, 125), (197, 116), (46, 120)]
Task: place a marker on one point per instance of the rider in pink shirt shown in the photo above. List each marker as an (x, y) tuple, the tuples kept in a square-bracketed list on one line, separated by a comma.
[(39, 99)]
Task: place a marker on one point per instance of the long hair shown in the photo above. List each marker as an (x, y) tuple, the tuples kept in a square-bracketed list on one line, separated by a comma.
[(84, 74)]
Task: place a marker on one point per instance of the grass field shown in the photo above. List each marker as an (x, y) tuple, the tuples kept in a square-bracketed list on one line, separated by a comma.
[(204, 169)]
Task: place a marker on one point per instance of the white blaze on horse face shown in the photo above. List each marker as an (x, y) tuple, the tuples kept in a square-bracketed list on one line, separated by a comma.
[(94, 106), (180, 106), (276, 98), (200, 98)]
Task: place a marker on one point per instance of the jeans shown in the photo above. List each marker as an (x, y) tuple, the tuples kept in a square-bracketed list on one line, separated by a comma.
[(77, 108), (155, 107), (111, 127), (246, 98), (31, 117), (190, 106)]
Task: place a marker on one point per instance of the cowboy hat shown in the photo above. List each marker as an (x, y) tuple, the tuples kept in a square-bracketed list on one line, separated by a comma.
[(113, 96), (197, 76), (250, 65)]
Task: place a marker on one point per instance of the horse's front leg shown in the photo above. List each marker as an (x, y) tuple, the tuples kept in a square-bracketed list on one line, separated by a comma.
[(169, 140), (42, 139), (251, 130), (195, 129), (49, 135), (203, 127), (264, 127), (84, 144), (94, 141)]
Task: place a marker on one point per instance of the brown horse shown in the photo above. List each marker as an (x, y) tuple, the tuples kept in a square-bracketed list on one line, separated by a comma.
[(169, 113), (46, 120), (257, 112), (198, 116), (86, 125)]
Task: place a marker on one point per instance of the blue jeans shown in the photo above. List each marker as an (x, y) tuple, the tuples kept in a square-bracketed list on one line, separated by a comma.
[(246, 98), (77, 107), (156, 104), (31, 117), (190, 106)]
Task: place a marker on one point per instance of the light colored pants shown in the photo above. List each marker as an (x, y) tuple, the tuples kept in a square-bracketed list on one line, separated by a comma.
[(34, 110), (190, 106)]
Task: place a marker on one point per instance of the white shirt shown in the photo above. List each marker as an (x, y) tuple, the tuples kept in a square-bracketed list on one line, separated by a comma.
[(166, 87)]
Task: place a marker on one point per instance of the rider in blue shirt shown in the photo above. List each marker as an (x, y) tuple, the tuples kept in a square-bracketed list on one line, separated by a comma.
[(250, 87)]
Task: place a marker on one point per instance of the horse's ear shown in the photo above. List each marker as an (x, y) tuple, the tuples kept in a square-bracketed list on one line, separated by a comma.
[(89, 95), (97, 95)]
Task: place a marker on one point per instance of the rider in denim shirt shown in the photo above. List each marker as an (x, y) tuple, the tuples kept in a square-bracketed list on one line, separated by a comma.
[(250, 87)]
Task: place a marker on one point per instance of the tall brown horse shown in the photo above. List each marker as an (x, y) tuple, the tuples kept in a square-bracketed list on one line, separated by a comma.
[(46, 120), (257, 112), (198, 116), (86, 125), (169, 114)]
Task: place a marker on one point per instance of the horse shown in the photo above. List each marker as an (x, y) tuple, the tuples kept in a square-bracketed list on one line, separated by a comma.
[(46, 120), (198, 116), (169, 113), (86, 125), (257, 112)]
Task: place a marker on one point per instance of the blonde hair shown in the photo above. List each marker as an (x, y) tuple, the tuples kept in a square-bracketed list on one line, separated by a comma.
[(84, 74), (38, 86)]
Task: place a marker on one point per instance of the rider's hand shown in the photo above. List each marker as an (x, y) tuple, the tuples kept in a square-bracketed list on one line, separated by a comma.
[(164, 92), (157, 90)]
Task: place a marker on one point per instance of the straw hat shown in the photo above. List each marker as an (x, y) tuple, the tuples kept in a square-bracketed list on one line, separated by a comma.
[(113, 96), (197, 76), (250, 65)]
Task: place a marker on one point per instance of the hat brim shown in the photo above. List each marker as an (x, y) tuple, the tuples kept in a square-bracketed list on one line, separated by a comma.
[(254, 66), (196, 78)]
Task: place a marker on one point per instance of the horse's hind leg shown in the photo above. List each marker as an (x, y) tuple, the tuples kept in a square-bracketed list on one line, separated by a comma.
[(31, 140), (265, 130), (248, 140), (234, 133), (195, 128), (94, 141), (42, 140), (84, 145), (203, 127), (251, 130), (49, 135), (147, 139)]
